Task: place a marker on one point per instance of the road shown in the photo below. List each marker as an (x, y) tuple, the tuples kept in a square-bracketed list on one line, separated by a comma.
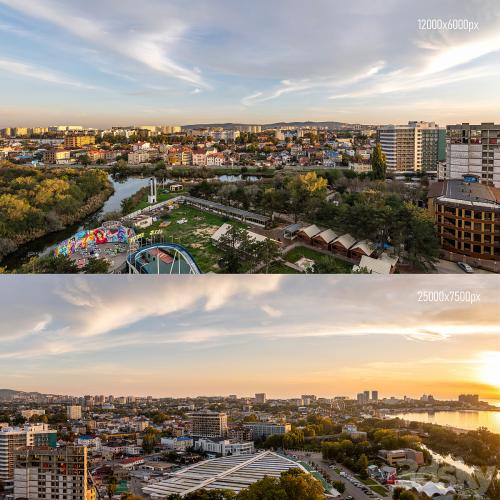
[(447, 267), (330, 474)]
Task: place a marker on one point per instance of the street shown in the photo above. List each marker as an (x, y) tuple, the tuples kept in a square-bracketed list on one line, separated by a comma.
[(350, 489)]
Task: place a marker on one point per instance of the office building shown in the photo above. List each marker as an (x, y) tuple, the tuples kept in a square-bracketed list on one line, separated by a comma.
[(416, 147), (224, 447), (209, 424), (260, 398), (73, 141), (473, 150), (467, 215), (74, 412), (52, 473), (262, 430), (395, 457), (374, 395), (12, 438)]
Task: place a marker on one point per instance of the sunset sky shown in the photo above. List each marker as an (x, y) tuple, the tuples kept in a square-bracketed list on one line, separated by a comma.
[(119, 62), (220, 335)]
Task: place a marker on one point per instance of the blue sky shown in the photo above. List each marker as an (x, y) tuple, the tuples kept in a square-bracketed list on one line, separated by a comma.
[(219, 335), (107, 62)]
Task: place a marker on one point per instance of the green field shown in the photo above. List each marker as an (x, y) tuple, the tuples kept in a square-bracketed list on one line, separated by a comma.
[(298, 252), (195, 234)]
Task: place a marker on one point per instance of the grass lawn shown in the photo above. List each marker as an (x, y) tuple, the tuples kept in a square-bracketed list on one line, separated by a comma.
[(298, 252), (373, 485), (195, 234)]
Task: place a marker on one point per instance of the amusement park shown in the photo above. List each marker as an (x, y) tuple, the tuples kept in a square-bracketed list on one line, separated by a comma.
[(172, 231)]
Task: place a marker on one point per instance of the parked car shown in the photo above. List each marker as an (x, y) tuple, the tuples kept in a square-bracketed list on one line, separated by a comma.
[(465, 267)]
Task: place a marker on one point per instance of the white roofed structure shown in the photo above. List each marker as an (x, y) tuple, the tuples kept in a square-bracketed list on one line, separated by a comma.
[(374, 266), (233, 473)]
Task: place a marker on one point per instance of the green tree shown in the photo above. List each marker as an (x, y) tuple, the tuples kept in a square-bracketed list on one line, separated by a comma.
[(379, 163), (362, 465), (292, 485), (96, 266), (111, 486), (50, 264), (150, 439), (339, 486)]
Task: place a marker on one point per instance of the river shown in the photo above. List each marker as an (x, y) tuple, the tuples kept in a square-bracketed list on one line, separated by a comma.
[(42, 245), (468, 420)]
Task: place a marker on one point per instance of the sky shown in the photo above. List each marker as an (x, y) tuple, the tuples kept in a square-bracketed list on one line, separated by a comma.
[(220, 335), (120, 62)]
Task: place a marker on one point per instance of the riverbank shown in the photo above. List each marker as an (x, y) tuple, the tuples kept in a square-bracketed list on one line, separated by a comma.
[(108, 200)]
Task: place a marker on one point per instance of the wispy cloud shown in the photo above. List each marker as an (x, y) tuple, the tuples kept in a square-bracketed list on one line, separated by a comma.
[(38, 73), (148, 48)]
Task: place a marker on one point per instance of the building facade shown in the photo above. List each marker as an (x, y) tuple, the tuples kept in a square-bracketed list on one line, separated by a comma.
[(48, 473), (467, 217), (262, 430), (209, 424), (73, 141), (473, 150), (12, 438), (416, 147)]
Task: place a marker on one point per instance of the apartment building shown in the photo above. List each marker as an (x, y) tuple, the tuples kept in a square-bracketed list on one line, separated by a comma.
[(57, 156), (260, 397), (473, 150), (138, 157), (416, 147), (52, 473), (74, 141), (467, 216), (266, 429), (74, 412), (209, 424), (12, 438)]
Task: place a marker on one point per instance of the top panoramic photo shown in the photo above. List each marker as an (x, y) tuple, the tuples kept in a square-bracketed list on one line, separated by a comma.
[(220, 136)]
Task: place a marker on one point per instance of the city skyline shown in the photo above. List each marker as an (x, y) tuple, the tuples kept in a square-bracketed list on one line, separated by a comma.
[(85, 335), (363, 63)]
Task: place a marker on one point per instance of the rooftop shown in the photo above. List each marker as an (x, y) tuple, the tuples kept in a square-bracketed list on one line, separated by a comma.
[(233, 473), (473, 193)]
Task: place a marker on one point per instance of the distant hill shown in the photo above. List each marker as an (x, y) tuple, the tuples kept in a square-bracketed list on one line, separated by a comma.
[(332, 124), (9, 394)]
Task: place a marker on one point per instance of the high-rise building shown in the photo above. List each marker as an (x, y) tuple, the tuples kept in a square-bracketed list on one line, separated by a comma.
[(473, 150), (260, 398), (52, 473), (374, 395), (12, 438), (74, 412), (209, 424), (416, 147)]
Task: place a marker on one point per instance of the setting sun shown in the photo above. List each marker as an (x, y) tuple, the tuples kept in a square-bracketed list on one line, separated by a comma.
[(489, 369)]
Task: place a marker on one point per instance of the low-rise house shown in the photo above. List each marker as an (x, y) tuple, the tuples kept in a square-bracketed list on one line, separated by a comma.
[(342, 244), (308, 233), (324, 238)]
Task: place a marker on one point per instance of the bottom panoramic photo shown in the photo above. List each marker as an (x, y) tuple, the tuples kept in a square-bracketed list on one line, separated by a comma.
[(249, 388)]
